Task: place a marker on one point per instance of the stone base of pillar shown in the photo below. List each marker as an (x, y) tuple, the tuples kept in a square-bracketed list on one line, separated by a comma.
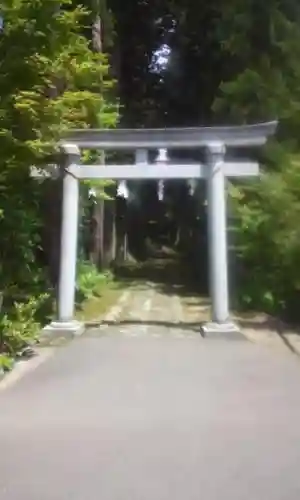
[(227, 330), (63, 329)]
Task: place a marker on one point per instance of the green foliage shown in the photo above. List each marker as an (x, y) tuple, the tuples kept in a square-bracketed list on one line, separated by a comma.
[(239, 61), (264, 78), (20, 328), (232, 62), (6, 363), (50, 81), (89, 279), (268, 238), (19, 226), (263, 46)]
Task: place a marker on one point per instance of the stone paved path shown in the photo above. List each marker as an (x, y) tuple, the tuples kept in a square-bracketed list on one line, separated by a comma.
[(144, 310)]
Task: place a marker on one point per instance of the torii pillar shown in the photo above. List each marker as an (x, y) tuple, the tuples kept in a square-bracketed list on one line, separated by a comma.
[(217, 237)]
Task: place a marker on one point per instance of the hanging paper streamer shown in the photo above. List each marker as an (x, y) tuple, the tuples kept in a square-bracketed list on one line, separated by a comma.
[(122, 190), (160, 190), (162, 157), (92, 193), (192, 183)]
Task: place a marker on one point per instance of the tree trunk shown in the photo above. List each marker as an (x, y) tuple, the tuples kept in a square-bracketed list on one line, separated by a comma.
[(97, 250), (51, 213)]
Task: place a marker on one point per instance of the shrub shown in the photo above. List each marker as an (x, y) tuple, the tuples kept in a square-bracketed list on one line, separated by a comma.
[(89, 279), (19, 329), (268, 239)]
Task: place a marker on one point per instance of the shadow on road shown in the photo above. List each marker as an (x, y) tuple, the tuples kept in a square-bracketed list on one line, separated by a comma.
[(192, 326), (270, 324), (169, 275)]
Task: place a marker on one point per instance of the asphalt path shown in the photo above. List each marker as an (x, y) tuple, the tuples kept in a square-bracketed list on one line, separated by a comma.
[(142, 413)]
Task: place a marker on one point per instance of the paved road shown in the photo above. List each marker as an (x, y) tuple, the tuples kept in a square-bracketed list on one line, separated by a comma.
[(140, 413)]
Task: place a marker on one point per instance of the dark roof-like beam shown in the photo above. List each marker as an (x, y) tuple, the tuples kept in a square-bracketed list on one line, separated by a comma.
[(237, 136)]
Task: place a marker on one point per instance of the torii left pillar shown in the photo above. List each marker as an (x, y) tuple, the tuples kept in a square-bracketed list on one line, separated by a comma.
[(65, 324)]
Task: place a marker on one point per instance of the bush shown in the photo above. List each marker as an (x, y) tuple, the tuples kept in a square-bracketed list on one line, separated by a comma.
[(268, 239), (89, 280), (19, 329)]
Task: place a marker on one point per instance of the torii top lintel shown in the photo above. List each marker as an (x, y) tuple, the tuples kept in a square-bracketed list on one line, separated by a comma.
[(171, 138)]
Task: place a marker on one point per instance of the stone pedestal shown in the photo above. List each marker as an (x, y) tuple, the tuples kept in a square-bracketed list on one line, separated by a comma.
[(226, 330), (63, 329)]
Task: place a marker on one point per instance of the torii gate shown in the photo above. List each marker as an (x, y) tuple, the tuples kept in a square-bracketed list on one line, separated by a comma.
[(215, 140)]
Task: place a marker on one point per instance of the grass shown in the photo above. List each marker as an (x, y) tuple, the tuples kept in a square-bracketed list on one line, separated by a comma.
[(105, 296)]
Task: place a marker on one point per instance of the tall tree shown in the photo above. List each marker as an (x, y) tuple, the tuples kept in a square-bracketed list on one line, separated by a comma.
[(50, 81)]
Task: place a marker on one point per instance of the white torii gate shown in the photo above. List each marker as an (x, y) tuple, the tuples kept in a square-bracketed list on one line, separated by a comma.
[(216, 141)]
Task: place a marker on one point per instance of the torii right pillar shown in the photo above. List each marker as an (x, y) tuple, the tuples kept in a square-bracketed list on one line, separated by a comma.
[(217, 236)]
